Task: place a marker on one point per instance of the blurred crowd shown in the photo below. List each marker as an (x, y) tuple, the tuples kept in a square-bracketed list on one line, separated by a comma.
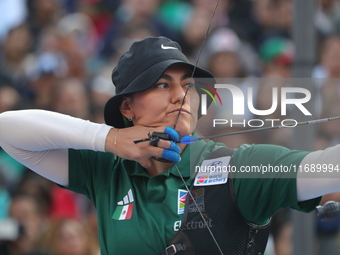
[(59, 54)]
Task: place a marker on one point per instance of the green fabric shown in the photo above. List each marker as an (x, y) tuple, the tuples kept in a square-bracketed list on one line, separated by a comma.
[(10, 167), (155, 217), (273, 47), (261, 195), (5, 201), (175, 14), (106, 182)]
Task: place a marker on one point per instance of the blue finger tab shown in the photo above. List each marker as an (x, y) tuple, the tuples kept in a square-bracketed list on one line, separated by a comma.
[(174, 147), (174, 136), (171, 156)]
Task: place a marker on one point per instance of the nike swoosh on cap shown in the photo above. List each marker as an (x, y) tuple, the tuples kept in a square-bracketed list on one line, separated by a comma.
[(168, 47)]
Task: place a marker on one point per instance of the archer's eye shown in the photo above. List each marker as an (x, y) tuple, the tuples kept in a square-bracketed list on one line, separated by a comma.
[(190, 84), (161, 85)]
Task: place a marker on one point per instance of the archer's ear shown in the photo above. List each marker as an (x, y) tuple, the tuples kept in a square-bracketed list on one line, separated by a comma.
[(125, 107)]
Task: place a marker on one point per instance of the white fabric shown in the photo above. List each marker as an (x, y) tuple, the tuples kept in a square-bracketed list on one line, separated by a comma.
[(319, 182), (40, 140), (13, 13)]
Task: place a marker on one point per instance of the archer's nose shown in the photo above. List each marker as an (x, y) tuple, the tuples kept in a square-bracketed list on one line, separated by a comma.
[(178, 93)]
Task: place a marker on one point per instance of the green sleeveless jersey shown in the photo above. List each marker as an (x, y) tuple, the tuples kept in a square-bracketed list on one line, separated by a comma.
[(139, 214)]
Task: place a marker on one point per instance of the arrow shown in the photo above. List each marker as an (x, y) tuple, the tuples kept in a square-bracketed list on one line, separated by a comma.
[(192, 139)]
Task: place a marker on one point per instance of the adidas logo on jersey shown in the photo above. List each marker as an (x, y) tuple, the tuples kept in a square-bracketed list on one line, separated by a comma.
[(124, 208)]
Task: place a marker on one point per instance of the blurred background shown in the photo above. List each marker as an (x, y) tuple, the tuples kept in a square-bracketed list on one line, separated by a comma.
[(59, 54)]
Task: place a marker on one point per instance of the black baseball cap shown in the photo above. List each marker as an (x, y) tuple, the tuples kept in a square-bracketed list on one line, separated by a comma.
[(140, 68)]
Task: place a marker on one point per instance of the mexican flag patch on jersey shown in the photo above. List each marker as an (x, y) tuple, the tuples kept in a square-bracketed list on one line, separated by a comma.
[(124, 208)]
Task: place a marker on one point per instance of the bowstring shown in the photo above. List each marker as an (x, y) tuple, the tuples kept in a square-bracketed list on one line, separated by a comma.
[(198, 209), (198, 57), (177, 118)]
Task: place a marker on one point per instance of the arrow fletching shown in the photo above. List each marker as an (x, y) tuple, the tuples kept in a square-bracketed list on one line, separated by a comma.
[(189, 139)]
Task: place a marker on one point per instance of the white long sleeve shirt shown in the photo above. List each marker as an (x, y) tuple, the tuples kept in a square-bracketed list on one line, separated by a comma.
[(40, 140)]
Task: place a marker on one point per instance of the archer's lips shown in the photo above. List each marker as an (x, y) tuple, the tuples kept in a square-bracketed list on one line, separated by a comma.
[(182, 111)]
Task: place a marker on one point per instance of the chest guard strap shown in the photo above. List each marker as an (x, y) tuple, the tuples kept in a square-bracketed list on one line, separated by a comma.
[(234, 234)]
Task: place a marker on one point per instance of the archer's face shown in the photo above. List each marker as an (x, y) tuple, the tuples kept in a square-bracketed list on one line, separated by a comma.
[(159, 105)]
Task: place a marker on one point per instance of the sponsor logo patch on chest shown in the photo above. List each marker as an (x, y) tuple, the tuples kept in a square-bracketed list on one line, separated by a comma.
[(182, 196), (198, 196), (212, 172)]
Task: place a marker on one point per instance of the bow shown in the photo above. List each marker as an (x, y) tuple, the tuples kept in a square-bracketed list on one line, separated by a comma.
[(198, 57), (176, 121)]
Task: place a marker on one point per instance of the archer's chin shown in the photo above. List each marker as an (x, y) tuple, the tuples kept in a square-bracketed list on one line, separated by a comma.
[(184, 129)]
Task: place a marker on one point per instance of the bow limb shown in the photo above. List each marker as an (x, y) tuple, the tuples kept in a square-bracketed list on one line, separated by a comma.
[(179, 112), (198, 57)]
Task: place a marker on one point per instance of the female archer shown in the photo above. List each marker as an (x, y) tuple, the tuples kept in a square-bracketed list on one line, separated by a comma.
[(138, 175)]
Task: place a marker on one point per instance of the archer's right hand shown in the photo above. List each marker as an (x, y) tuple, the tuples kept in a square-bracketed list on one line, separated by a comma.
[(121, 143)]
